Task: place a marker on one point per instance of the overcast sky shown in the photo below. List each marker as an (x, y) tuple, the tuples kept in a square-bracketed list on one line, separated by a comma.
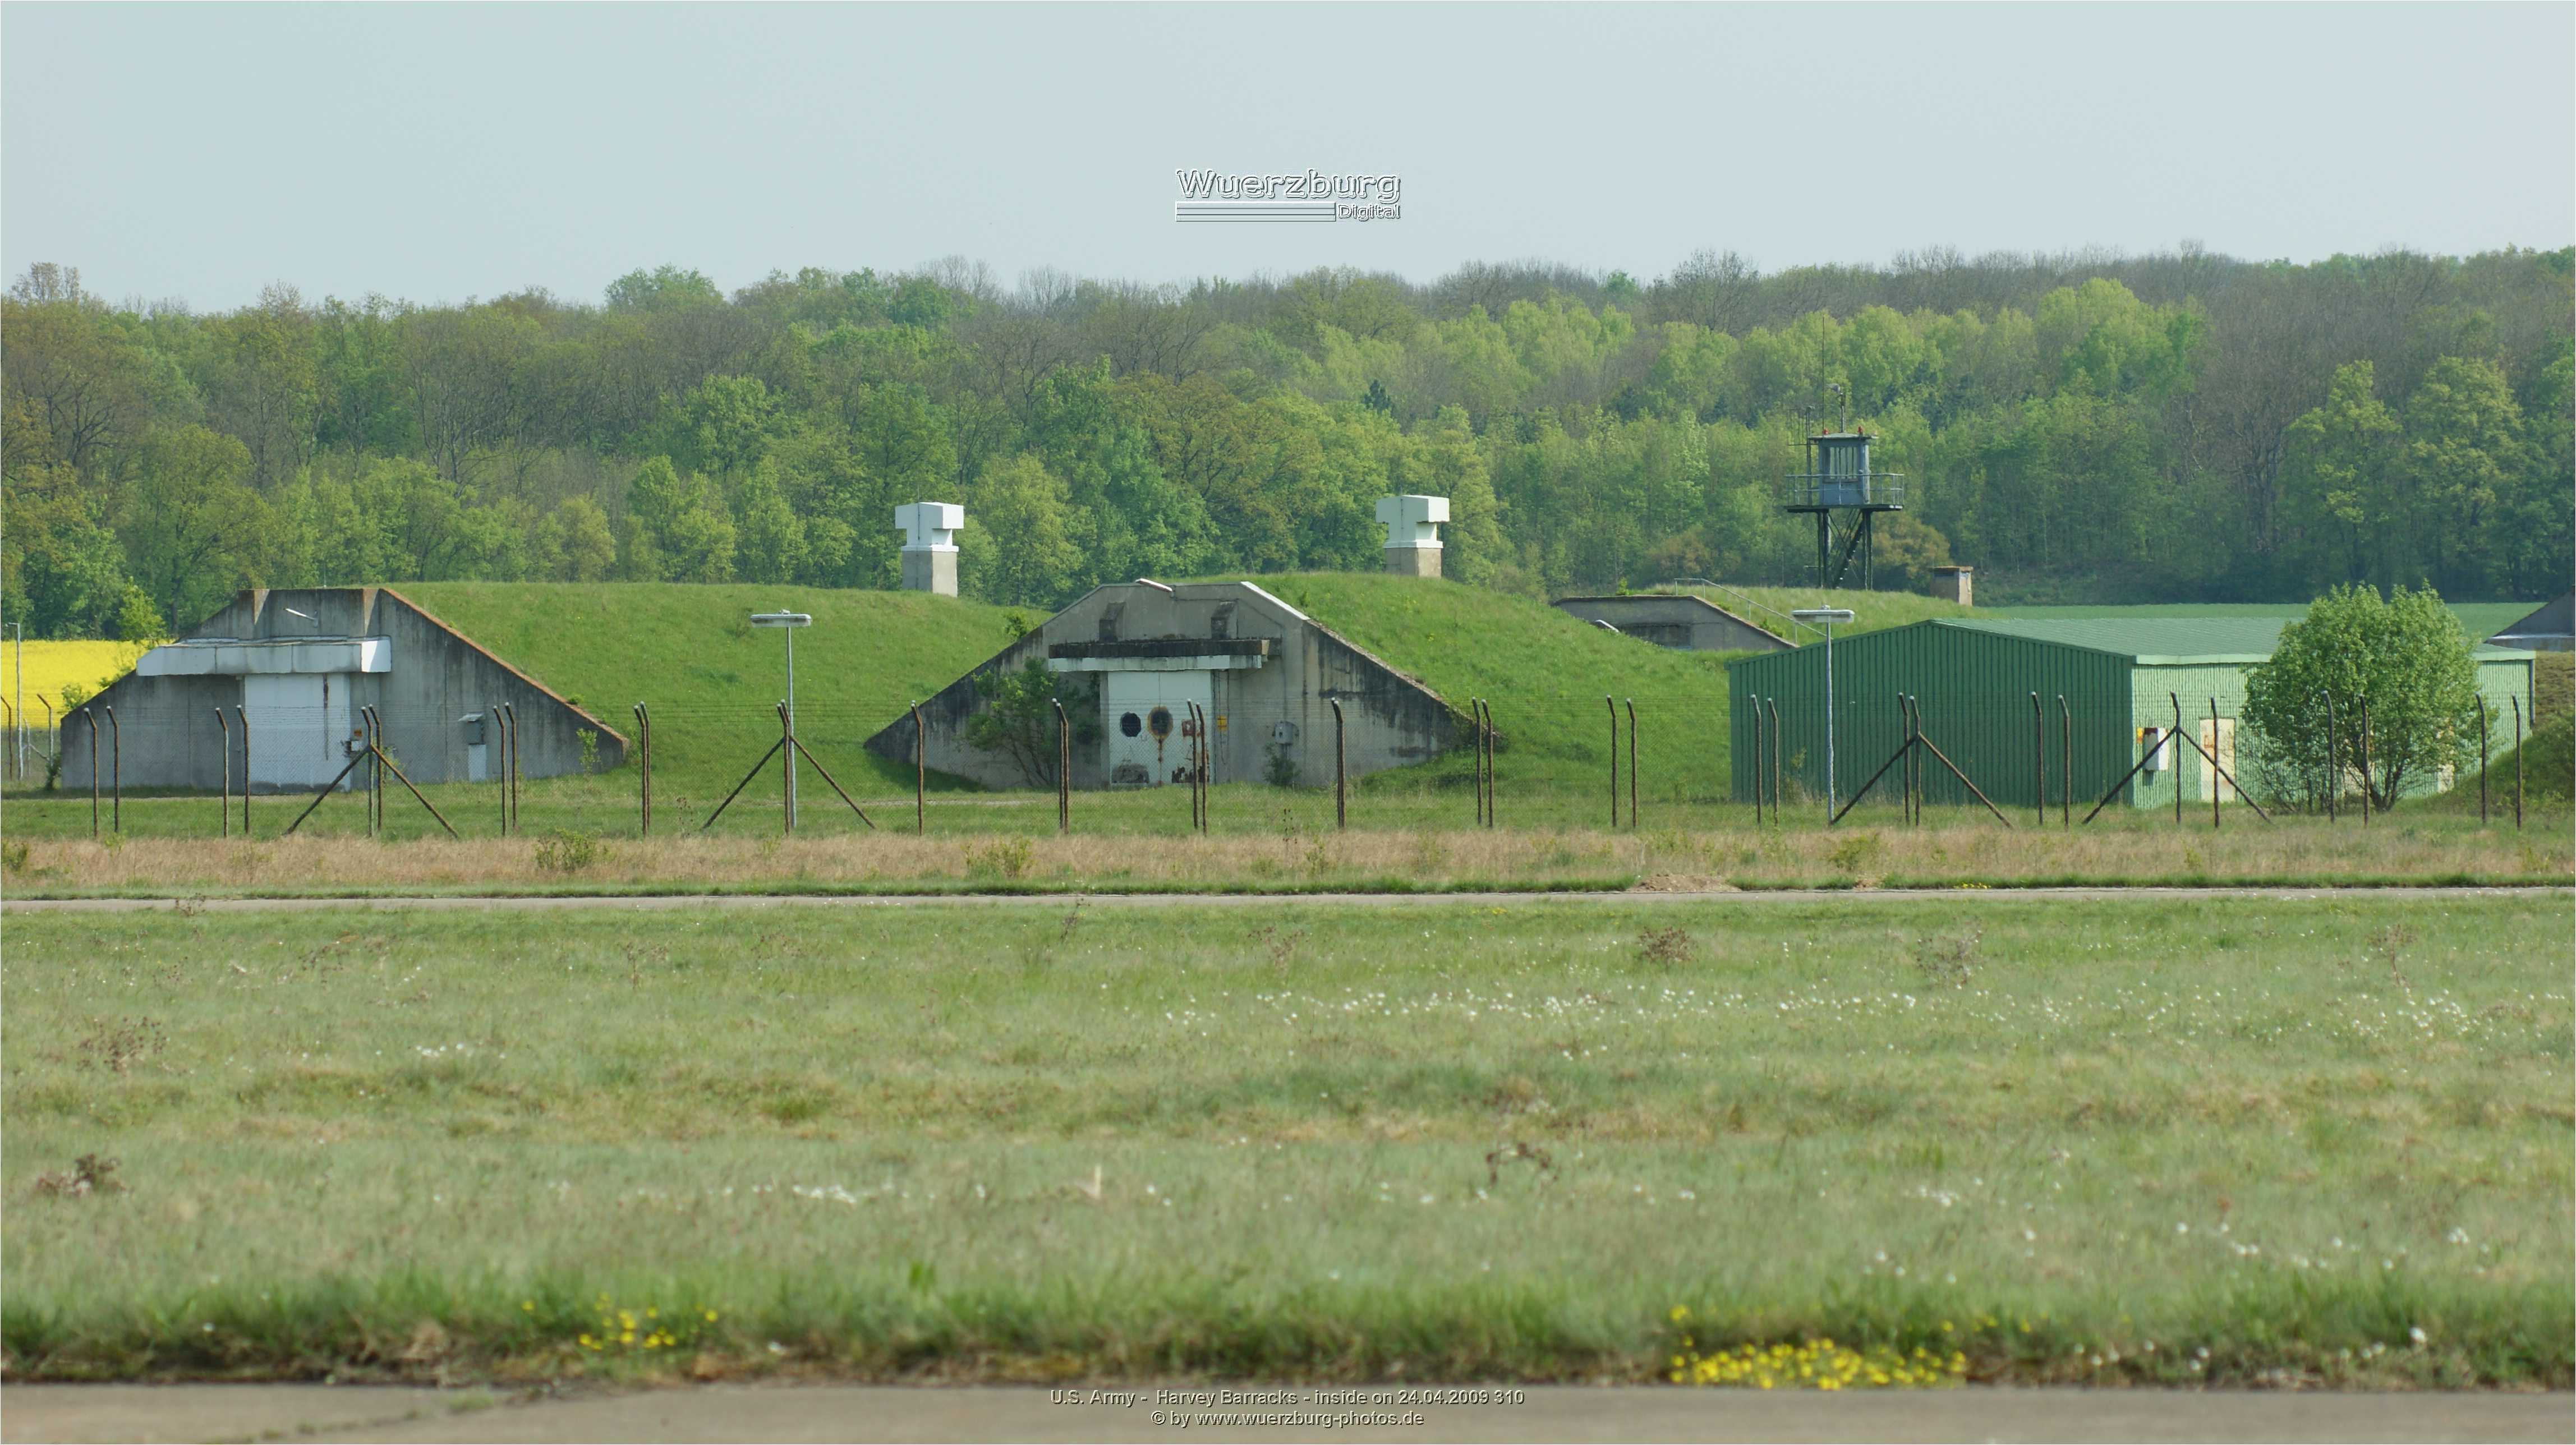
[(441, 152)]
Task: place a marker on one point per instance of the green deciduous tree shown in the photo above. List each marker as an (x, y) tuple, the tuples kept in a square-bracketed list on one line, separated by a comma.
[(2404, 659)]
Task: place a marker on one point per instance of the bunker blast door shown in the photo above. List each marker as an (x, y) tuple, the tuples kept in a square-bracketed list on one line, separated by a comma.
[(299, 723), (1145, 720)]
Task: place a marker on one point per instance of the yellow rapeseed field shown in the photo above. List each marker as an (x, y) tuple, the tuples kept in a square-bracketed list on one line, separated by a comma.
[(53, 666)]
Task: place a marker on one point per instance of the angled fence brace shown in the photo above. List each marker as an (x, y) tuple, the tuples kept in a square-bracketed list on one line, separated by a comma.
[(327, 790), (1935, 749), (802, 752), (2223, 774), (386, 762), (745, 783)]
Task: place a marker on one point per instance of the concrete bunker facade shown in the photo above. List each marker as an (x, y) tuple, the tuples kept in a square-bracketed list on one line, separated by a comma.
[(1676, 620), (1130, 659), (300, 664)]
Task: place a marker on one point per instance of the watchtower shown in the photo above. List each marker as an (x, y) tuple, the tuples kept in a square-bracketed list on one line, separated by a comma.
[(1842, 492)]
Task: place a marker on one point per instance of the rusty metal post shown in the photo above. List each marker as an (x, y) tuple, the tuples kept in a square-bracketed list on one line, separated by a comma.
[(2365, 762), (116, 773), (516, 772), (2174, 746), (375, 774), (224, 772), (2335, 763), (2517, 764), (1493, 783), (1632, 763), (920, 776), (242, 715), (1476, 752), (1063, 770), (1611, 704), (786, 789), (2038, 761), (1773, 704), (2218, 782), (643, 774), (2482, 763), (1341, 769), (2066, 764), (498, 741), (1914, 770)]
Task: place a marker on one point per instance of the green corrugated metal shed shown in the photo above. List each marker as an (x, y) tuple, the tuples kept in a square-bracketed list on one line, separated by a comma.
[(1973, 679)]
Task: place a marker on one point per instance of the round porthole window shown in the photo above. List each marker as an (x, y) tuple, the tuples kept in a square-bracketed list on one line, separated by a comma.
[(1130, 725), (1159, 722)]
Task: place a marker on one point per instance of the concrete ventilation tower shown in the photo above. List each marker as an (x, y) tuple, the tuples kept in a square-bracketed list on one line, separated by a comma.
[(1844, 495), (1412, 533), (930, 546)]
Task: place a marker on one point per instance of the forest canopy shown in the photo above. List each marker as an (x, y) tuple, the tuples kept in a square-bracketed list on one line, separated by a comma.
[(2097, 427)]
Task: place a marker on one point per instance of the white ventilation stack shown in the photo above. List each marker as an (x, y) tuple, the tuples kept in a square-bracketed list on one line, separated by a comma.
[(930, 545), (1412, 533)]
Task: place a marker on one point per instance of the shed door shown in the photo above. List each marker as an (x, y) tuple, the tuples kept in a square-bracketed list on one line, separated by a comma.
[(1145, 717), (2218, 740), (299, 727)]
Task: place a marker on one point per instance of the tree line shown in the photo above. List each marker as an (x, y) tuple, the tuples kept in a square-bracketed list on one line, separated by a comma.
[(2180, 426)]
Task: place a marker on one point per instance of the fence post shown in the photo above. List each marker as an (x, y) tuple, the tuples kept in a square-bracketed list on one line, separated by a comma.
[(2482, 763), (1609, 703), (1063, 770), (498, 741), (643, 773), (2066, 761), (2365, 762), (2218, 783), (2517, 764), (2173, 745), (1341, 767), (786, 789), (115, 773), (1774, 705), (1632, 763), (224, 772), (1915, 772), (2038, 762), (93, 771), (2334, 763), (1207, 771), (242, 716), (920, 776), (1493, 784)]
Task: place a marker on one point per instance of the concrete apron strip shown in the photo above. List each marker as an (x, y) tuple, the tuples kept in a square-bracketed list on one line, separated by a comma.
[(862, 1412), (664, 902)]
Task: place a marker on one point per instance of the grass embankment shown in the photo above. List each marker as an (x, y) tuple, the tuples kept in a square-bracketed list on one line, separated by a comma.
[(1295, 849), (2322, 1141), (2480, 620), (691, 655), (1870, 611)]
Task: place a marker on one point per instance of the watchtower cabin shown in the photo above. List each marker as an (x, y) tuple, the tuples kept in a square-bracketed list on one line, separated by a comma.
[(1844, 495)]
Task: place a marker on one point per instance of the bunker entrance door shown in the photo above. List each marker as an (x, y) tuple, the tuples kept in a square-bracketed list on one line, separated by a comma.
[(1145, 716)]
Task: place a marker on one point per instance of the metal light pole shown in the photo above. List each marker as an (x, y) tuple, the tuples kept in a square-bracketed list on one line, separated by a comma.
[(790, 621), (1828, 616)]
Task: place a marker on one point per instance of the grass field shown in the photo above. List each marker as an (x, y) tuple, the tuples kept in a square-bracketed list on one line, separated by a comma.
[(1870, 610), (2241, 1141), (1261, 840), (2479, 619)]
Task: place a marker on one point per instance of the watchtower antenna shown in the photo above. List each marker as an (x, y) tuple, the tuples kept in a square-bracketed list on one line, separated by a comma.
[(1845, 497)]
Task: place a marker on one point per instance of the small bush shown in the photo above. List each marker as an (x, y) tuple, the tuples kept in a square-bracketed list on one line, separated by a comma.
[(566, 851), (13, 857), (1946, 962), (589, 738), (1855, 853), (1666, 946), (1002, 858)]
